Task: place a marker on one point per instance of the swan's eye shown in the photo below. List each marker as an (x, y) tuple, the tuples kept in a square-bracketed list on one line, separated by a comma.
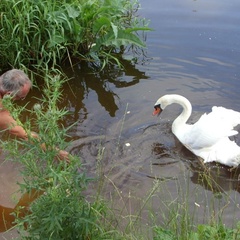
[(157, 107)]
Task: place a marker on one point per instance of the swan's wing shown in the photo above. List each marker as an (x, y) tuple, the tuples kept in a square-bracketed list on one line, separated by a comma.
[(226, 116), (211, 128)]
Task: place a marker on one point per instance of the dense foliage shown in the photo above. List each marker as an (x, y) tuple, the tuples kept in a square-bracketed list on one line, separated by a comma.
[(35, 32)]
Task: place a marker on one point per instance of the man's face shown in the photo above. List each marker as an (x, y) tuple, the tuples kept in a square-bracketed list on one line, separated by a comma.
[(24, 92)]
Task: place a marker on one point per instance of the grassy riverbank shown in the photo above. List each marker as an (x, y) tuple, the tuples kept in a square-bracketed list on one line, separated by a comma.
[(35, 33)]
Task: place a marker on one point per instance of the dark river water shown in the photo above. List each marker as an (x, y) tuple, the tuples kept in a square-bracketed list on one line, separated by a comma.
[(194, 51)]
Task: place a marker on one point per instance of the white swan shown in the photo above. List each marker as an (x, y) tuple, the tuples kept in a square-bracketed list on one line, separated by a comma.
[(208, 138)]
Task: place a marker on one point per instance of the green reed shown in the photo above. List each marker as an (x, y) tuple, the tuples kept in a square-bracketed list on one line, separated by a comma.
[(34, 33)]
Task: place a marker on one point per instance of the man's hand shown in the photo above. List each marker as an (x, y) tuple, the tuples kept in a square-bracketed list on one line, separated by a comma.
[(62, 155)]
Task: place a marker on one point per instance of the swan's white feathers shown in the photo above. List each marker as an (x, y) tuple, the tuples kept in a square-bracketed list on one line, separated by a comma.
[(212, 127), (208, 138)]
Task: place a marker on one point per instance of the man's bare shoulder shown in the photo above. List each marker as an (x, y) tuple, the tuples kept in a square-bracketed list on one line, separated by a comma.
[(5, 118)]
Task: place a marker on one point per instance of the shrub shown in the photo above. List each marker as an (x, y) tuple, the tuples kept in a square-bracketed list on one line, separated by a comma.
[(61, 211)]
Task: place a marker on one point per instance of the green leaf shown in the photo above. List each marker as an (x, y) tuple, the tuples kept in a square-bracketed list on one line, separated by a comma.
[(138, 29), (100, 23), (163, 234), (123, 38), (72, 12), (115, 30), (56, 39)]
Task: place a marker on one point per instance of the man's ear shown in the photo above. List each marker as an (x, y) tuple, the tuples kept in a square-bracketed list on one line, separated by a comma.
[(9, 93)]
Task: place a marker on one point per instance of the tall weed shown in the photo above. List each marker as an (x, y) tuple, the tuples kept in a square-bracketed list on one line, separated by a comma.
[(61, 211)]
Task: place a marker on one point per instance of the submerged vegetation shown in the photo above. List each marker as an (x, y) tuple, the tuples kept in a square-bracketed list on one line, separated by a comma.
[(37, 32)]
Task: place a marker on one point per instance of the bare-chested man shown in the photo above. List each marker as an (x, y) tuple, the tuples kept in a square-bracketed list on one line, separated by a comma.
[(17, 84)]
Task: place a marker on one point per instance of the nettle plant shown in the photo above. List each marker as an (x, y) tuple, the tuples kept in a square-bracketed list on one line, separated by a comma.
[(61, 210), (42, 31)]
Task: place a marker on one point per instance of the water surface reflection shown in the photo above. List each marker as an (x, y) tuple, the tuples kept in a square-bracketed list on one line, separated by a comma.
[(85, 78)]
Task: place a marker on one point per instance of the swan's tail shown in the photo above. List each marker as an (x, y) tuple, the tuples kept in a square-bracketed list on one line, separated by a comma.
[(226, 152)]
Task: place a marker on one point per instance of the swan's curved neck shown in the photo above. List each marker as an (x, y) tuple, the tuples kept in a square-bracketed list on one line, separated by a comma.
[(181, 120)]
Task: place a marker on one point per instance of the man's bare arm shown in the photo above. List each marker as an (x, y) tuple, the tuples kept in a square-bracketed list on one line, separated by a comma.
[(7, 122)]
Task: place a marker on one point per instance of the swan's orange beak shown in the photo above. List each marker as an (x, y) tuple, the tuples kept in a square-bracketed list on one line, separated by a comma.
[(157, 111)]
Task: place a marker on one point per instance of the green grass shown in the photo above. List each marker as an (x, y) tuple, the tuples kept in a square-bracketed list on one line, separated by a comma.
[(203, 232), (43, 31)]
